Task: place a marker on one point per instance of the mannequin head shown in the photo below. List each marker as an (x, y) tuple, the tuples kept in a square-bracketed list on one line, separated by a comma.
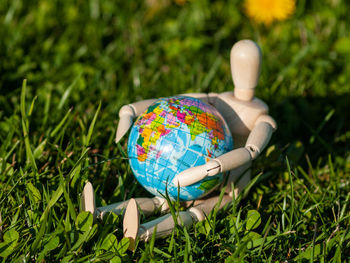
[(245, 68)]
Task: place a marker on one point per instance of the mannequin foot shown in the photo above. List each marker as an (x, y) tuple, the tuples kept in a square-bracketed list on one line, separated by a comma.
[(131, 222)]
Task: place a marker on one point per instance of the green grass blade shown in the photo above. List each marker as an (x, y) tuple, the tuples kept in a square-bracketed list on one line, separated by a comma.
[(69, 202), (67, 93), (62, 122), (291, 194), (92, 125), (25, 124)]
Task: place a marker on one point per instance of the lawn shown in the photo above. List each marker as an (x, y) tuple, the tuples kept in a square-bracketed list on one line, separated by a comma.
[(67, 67)]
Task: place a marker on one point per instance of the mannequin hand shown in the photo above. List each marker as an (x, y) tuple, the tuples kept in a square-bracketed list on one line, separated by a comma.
[(126, 115), (226, 162), (195, 174)]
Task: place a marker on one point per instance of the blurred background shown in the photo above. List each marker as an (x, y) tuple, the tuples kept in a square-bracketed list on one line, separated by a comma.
[(124, 51)]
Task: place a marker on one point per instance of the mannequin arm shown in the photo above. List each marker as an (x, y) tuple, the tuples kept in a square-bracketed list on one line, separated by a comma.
[(223, 163), (260, 135), (127, 113), (256, 142)]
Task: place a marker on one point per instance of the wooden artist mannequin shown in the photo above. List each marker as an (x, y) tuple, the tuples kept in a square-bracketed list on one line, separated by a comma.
[(251, 128)]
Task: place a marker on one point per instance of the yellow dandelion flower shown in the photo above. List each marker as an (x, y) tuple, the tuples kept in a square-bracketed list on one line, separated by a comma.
[(180, 2), (267, 11)]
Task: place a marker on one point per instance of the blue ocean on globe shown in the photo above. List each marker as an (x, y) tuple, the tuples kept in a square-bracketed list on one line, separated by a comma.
[(172, 135)]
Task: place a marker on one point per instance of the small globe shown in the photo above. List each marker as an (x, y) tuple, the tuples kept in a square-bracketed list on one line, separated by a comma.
[(172, 135)]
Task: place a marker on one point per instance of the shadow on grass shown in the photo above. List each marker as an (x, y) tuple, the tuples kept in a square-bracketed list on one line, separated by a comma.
[(320, 123)]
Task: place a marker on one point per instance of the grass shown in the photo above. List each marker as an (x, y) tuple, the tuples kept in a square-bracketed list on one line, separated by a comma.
[(83, 60)]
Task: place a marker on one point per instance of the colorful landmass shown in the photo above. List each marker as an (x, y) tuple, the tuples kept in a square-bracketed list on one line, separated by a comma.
[(168, 113)]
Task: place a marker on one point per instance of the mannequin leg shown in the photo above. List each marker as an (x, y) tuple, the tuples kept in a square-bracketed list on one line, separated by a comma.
[(147, 205), (165, 224)]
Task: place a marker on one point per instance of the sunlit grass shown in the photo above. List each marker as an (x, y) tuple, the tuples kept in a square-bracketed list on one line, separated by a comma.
[(83, 60)]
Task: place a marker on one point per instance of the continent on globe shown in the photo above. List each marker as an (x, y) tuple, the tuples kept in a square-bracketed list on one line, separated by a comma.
[(172, 135)]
